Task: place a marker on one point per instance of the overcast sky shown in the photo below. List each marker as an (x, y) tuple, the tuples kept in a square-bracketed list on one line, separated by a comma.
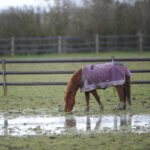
[(4, 4)]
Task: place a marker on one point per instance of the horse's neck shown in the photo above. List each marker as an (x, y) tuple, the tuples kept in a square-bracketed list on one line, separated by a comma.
[(74, 83), (73, 89)]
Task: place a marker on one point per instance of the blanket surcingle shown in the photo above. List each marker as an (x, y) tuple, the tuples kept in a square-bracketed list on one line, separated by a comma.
[(103, 76)]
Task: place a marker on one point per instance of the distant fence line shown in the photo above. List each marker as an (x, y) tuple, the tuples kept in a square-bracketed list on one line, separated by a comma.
[(63, 44), (5, 73)]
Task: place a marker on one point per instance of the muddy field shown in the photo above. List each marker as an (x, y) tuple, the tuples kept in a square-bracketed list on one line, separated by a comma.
[(33, 118)]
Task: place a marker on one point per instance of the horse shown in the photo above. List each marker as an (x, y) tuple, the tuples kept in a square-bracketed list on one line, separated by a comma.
[(89, 78)]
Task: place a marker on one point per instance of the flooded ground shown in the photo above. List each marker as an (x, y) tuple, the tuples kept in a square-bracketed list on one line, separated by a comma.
[(53, 125)]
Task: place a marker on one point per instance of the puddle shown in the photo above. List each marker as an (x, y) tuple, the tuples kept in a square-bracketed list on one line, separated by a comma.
[(53, 125)]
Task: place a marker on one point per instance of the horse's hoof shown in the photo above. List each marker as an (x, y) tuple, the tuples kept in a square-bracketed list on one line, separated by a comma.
[(87, 109), (122, 106), (130, 103), (101, 108)]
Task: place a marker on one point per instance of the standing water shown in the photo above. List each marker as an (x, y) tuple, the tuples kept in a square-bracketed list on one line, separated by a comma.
[(50, 125)]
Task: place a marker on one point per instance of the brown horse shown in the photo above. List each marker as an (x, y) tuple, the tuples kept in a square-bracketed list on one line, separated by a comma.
[(75, 83)]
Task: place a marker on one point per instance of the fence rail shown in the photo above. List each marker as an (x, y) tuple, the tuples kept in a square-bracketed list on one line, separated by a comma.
[(75, 60), (56, 72), (5, 73), (55, 83), (62, 44)]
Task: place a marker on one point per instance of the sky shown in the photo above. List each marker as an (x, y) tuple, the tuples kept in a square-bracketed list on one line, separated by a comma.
[(5, 4)]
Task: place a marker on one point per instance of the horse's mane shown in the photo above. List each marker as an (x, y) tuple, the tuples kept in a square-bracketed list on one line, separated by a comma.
[(72, 88)]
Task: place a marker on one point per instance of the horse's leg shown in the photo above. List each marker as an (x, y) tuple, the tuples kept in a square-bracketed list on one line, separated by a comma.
[(87, 98), (96, 96), (120, 91), (128, 89)]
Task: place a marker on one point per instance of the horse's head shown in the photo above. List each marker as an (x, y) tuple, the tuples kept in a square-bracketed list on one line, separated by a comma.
[(69, 103), (71, 90), (69, 96)]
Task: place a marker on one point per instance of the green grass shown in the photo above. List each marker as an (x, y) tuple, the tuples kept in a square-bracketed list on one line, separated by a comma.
[(102, 54), (78, 142)]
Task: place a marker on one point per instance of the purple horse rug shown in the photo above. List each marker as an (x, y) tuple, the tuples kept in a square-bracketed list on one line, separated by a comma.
[(103, 76)]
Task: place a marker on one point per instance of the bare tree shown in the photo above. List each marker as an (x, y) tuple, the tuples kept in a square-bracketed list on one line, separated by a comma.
[(64, 17)]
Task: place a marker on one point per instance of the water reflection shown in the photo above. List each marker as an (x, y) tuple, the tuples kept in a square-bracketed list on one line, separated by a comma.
[(48, 125), (106, 123)]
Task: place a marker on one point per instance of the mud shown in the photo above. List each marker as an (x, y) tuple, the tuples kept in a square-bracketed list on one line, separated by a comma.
[(56, 125)]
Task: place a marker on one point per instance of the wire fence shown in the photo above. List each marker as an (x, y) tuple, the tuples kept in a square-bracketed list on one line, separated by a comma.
[(66, 44), (5, 73)]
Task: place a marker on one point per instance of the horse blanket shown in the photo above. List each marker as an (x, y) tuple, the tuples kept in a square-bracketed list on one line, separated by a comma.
[(103, 76)]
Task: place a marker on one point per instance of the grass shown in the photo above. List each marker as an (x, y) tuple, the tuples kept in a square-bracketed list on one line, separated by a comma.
[(78, 142), (102, 54), (50, 99)]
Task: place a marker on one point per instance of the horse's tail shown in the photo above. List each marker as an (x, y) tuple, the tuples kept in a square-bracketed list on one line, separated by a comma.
[(127, 89), (72, 88)]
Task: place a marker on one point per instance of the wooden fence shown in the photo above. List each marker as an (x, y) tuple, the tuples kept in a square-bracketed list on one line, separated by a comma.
[(5, 73), (63, 44)]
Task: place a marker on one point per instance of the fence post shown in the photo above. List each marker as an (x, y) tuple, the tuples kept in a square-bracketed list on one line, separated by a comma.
[(59, 44), (97, 43), (12, 46), (4, 77), (140, 42)]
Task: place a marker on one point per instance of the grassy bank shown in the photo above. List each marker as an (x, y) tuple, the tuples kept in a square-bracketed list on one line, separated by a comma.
[(102, 54), (78, 142)]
